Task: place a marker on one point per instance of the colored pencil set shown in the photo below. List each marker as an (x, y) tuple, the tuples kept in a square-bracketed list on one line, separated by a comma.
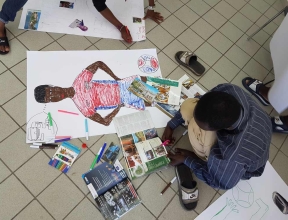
[(64, 157)]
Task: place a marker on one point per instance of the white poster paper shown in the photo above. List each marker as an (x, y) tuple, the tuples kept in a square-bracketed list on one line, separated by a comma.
[(80, 17), (61, 69), (250, 199)]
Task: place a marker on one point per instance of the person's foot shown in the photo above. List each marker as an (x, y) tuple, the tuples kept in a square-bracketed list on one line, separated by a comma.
[(3, 34), (125, 33)]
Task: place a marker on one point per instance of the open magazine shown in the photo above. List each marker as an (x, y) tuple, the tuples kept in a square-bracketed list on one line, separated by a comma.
[(157, 90), (112, 190), (142, 148), (189, 90)]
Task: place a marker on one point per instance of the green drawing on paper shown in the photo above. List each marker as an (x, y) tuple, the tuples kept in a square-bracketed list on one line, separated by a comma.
[(263, 208), (243, 194), (229, 208)]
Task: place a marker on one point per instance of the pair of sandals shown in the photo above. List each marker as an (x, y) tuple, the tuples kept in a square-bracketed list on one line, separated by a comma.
[(5, 43), (253, 86)]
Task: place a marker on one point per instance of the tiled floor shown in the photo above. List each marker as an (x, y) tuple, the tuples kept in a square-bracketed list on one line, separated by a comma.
[(215, 29)]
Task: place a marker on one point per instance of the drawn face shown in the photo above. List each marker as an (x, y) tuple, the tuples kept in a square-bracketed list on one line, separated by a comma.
[(54, 94)]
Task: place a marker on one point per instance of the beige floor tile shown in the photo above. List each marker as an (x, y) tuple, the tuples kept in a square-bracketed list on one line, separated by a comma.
[(93, 40), (203, 28), (7, 125), (35, 40), (171, 5), (92, 48), (212, 3), (15, 143), (17, 53), (81, 166), (199, 6), (4, 171), (208, 54), (174, 26), (140, 212), (270, 2), (237, 4), (85, 210), (8, 82), (280, 164), (237, 56), (260, 5), (250, 47), (226, 68), (225, 9), (260, 37), (149, 192), (278, 5), (178, 73), (17, 108), (221, 191), (231, 31), (167, 175), (268, 78), (163, 10), (278, 139), (264, 58), (206, 194), (34, 211), (61, 193), (13, 26), (175, 211), (255, 70), (53, 47), (214, 18), (15, 195), (217, 196), (238, 80), (73, 42), (156, 36), (149, 25), (141, 45), (220, 42), (186, 15), (2, 68), (20, 71), (169, 64), (241, 22), (272, 152), (284, 147), (271, 12), (250, 12), (92, 140), (36, 174), (270, 28), (190, 39), (212, 79), (55, 36), (173, 48), (266, 45)]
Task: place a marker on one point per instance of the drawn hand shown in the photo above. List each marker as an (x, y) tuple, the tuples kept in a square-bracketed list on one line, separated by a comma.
[(125, 34), (155, 16)]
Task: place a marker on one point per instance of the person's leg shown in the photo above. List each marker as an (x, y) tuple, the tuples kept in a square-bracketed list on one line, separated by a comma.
[(8, 13)]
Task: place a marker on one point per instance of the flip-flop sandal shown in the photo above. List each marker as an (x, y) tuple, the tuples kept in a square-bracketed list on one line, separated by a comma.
[(4, 42), (253, 87), (189, 60), (188, 191), (278, 126)]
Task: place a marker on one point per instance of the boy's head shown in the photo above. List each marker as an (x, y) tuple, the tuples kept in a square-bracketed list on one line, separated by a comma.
[(46, 94), (217, 110)]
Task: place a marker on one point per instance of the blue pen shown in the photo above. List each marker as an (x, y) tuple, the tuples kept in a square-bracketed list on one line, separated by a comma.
[(86, 129), (61, 140), (101, 152)]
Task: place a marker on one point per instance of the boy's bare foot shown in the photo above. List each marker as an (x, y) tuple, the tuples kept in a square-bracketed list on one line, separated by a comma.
[(125, 33), (3, 49)]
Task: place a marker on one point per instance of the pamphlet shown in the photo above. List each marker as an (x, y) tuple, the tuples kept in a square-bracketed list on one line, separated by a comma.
[(141, 146), (111, 153)]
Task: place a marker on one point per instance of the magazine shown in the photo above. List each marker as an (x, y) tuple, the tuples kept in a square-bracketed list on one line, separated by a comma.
[(189, 90), (141, 146), (111, 153), (113, 192)]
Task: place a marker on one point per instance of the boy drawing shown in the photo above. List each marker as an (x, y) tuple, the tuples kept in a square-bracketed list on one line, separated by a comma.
[(92, 95)]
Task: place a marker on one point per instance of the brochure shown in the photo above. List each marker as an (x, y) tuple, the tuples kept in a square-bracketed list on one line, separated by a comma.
[(189, 90), (111, 153), (112, 190), (141, 146)]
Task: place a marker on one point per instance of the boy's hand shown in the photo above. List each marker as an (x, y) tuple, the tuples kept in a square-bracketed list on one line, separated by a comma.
[(167, 135), (155, 16), (176, 159)]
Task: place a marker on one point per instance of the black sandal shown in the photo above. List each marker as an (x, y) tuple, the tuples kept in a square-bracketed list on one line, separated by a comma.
[(253, 87), (4, 42), (278, 126), (189, 60), (188, 191)]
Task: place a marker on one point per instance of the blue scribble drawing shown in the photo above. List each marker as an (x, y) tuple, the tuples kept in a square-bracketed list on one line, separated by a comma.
[(148, 64)]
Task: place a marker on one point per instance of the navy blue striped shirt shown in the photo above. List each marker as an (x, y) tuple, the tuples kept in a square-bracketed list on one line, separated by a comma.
[(241, 153)]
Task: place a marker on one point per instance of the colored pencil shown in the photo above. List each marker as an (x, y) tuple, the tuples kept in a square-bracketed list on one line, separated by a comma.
[(101, 152), (61, 140), (72, 113), (86, 129)]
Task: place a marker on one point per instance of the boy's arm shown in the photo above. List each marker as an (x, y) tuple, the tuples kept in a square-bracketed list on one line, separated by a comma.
[(155, 16), (99, 64), (106, 120)]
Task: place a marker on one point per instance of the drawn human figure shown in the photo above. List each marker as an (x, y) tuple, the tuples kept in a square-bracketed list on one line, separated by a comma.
[(92, 95), (261, 211), (225, 212)]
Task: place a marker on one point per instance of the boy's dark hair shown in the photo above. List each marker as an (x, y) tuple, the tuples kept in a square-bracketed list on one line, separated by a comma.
[(40, 93), (218, 109)]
